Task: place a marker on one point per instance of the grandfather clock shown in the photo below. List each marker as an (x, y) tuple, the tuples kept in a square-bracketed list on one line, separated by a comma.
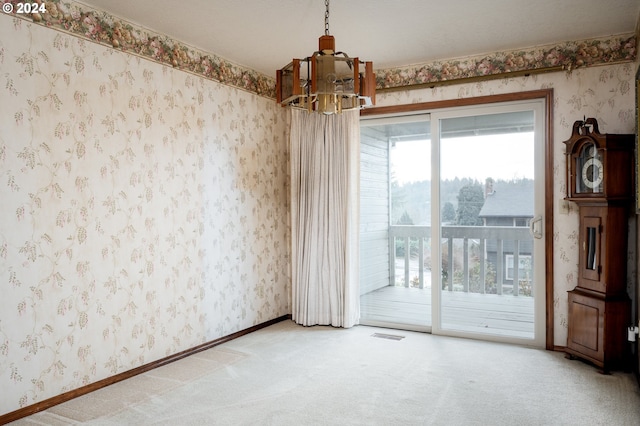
[(600, 181)]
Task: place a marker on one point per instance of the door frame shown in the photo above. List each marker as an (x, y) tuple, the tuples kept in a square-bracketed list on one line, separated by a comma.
[(547, 96)]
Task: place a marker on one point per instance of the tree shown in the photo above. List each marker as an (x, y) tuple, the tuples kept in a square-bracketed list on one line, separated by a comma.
[(405, 219), (448, 212), (399, 200), (470, 201)]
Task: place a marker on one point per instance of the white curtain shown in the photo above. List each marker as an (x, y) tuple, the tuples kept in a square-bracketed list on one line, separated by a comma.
[(325, 162)]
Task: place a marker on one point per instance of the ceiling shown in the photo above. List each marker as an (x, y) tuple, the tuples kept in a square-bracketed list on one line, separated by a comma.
[(264, 35)]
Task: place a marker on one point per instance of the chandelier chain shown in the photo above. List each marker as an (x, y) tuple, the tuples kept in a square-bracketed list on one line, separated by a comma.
[(326, 17), (327, 82)]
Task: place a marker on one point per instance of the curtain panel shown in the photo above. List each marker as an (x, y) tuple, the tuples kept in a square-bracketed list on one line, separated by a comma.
[(325, 162)]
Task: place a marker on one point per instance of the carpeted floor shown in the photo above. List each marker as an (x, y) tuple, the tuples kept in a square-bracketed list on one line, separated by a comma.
[(291, 375)]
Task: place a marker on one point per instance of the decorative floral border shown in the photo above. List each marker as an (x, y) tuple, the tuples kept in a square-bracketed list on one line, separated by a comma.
[(567, 56), (78, 19), (103, 28)]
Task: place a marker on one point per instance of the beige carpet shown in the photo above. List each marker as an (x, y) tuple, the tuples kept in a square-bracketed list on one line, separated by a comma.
[(291, 375)]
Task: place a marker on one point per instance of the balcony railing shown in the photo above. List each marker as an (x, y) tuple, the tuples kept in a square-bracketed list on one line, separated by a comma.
[(473, 258)]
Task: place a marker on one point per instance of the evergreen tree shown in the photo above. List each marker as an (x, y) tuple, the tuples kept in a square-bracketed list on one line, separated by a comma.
[(448, 212), (405, 219), (470, 201)]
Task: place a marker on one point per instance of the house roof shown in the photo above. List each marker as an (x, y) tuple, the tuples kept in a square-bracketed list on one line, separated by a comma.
[(509, 200)]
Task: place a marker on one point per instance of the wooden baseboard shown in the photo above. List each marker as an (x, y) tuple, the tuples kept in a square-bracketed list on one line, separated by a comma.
[(64, 397)]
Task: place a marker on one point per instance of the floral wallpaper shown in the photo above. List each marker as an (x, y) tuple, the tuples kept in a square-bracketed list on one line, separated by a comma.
[(144, 211), (606, 93)]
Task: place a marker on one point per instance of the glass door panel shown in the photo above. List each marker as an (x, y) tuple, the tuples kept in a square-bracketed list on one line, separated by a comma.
[(487, 195), (395, 218)]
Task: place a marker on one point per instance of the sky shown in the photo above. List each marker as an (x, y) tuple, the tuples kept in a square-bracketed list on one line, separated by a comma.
[(505, 157)]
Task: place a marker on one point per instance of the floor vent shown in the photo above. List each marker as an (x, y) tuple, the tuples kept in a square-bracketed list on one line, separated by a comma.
[(387, 336)]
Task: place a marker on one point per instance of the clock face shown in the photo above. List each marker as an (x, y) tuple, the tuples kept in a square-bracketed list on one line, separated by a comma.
[(592, 173), (590, 170)]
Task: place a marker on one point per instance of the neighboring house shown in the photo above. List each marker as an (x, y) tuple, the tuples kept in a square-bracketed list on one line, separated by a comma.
[(509, 204)]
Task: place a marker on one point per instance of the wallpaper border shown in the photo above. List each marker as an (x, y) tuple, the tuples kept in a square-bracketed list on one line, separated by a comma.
[(98, 26), (567, 56)]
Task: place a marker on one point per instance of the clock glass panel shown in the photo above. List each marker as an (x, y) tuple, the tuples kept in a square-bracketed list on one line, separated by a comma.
[(589, 170)]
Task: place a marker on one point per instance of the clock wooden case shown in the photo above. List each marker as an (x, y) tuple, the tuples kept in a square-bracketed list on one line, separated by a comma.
[(600, 181)]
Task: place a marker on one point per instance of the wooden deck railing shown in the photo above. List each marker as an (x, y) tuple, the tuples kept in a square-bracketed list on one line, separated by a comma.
[(488, 273)]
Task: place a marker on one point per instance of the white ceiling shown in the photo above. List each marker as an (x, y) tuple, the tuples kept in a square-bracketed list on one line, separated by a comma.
[(265, 35)]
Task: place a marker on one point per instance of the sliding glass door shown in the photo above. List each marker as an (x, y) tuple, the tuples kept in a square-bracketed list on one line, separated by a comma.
[(491, 171), (451, 222)]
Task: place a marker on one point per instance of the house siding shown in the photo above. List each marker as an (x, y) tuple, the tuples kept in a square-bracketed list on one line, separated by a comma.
[(374, 214)]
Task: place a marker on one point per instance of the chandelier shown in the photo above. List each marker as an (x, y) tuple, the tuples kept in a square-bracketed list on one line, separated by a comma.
[(328, 82)]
